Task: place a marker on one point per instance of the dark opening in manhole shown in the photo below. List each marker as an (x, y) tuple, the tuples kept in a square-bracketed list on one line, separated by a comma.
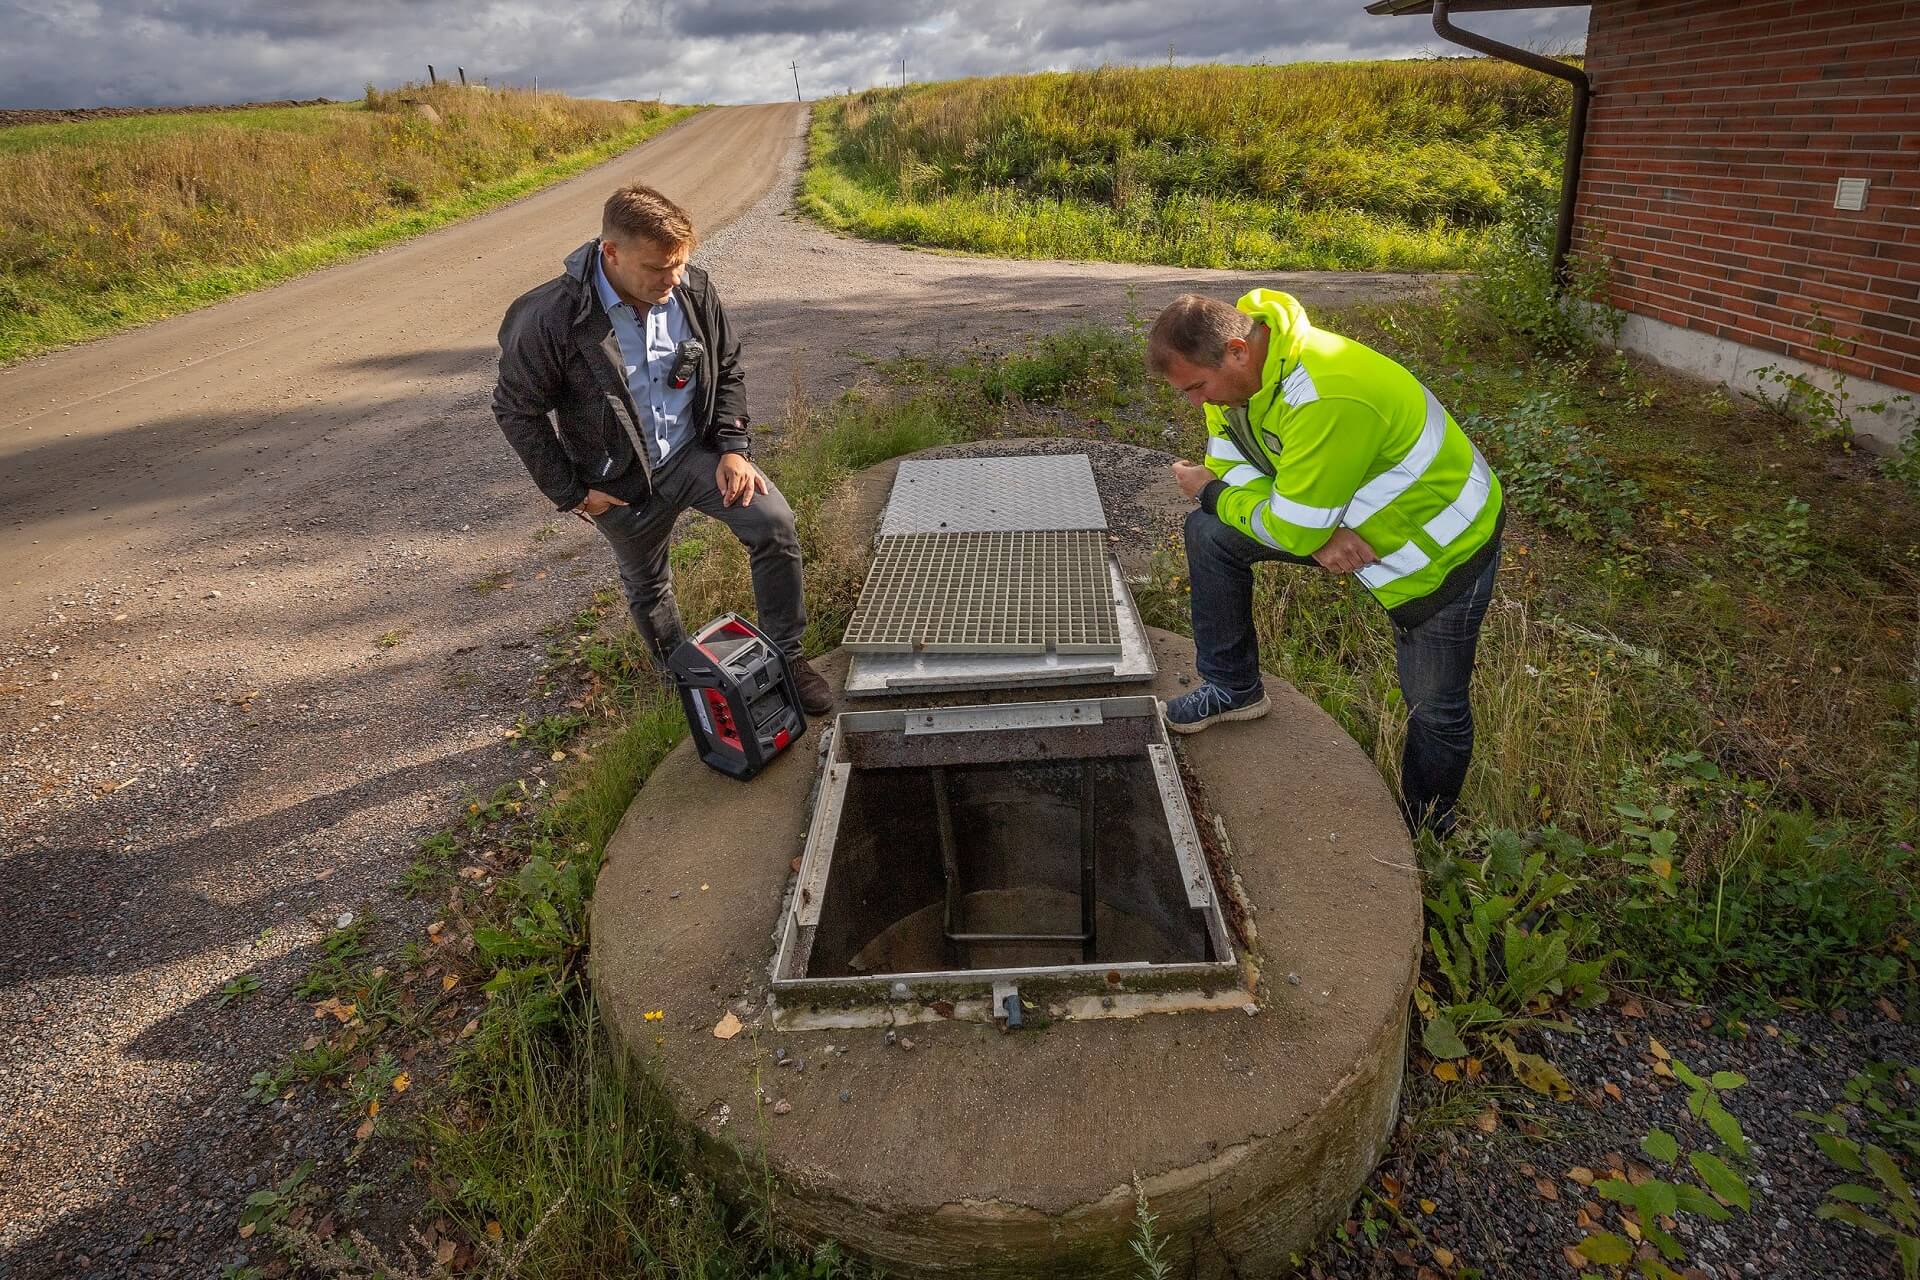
[(959, 854)]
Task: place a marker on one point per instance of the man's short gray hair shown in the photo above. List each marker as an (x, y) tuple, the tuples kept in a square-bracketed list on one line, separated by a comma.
[(1197, 330)]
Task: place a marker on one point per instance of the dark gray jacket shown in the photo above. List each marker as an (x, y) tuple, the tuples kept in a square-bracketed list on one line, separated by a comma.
[(559, 355)]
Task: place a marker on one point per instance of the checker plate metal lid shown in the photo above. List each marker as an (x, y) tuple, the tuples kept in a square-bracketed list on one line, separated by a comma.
[(1008, 593), (993, 495)]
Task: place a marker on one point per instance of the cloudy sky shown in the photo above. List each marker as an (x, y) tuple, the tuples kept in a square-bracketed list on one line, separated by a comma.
[(70, 53)]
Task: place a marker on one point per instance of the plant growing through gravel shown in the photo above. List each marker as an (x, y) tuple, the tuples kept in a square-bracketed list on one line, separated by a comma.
[(1893, 1120), (1887, 1209), (1654, 1200), (268, 1208), (318, 1063), (433, 858), (334, 970), (237, 990), (1505, 952), (371, 1083), (269, 1083), (551, 732)]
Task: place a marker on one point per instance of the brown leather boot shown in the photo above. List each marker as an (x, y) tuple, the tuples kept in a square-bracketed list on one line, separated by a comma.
[(816, 696)]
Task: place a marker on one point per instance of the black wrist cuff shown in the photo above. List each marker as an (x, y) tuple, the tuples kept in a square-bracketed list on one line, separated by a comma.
[(1211, 494)]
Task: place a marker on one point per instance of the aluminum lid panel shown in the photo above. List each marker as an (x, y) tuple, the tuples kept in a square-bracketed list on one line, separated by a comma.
[(1008, 593), (992, 495)]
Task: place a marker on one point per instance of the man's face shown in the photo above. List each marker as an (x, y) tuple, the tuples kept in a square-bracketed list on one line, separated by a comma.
[(643, 270), (1233, 381)]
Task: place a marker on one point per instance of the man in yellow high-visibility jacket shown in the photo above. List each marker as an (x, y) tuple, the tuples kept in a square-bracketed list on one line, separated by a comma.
[(1322, 451)]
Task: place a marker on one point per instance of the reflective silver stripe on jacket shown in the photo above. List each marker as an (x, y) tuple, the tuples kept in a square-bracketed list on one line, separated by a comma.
[(1457, 516), (1408, 559), (1299, 513), (1379, 493), (1297, 388)]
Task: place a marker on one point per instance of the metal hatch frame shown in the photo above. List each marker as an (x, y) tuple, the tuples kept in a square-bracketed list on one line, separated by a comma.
[(1076, 990)]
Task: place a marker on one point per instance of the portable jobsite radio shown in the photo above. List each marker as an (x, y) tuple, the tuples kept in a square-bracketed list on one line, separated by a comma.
[(741, 703)]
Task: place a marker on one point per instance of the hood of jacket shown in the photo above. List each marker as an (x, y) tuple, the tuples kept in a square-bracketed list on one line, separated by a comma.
[(1287, 330)]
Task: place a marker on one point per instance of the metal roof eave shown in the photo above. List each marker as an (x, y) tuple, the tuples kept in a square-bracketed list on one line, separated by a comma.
[(1396, 8)]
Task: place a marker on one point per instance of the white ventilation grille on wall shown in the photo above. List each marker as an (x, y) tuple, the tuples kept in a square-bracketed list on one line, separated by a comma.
[(1851, 194)]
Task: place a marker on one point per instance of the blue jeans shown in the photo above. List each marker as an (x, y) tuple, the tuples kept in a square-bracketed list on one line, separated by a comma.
[(1434, 660)]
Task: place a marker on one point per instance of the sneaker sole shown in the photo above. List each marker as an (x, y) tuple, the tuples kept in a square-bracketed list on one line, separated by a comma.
[(1253, 712)]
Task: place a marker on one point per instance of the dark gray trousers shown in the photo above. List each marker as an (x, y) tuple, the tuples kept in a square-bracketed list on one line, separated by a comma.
[(640, 536)]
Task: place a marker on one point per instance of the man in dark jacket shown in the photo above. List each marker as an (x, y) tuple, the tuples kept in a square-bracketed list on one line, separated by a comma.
[(620, 388)]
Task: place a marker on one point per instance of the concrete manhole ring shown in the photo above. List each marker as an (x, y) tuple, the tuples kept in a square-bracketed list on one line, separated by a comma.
[(988, 1154)]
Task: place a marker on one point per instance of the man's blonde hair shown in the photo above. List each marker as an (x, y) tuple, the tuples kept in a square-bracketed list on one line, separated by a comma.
[(1197, 330), (637, 212)]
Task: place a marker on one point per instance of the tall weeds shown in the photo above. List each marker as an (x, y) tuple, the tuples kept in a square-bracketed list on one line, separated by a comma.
[(107, 224), (1348, 165)]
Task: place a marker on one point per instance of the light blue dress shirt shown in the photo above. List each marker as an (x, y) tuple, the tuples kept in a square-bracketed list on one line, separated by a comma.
[(647, 344)]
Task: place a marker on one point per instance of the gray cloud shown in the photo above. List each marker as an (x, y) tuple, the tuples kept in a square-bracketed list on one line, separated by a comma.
[(68, 53)]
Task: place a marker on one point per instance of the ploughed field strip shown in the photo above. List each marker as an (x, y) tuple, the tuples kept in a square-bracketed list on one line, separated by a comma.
[(1027, 592)]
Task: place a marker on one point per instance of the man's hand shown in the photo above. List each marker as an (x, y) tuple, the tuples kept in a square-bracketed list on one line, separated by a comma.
[(1344, 552), (738, 479), (596, 504), (1192, 478)]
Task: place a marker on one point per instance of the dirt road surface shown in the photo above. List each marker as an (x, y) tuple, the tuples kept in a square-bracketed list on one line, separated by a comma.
[(244, 665)]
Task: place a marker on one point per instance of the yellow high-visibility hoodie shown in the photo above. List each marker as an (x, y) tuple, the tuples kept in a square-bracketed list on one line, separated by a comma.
[(1340, 436)]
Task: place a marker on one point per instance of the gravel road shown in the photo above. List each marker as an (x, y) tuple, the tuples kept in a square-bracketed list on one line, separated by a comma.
[(273, 588)]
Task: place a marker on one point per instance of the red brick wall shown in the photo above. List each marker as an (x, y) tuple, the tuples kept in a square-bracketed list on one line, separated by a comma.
[(1716, 135)]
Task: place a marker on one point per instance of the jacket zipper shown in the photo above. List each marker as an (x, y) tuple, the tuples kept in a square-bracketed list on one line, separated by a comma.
[(1240, 431)]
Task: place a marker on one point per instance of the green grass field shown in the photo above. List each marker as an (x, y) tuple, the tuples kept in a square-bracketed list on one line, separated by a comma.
[(116, 222), (116, 130), (1381, 165)]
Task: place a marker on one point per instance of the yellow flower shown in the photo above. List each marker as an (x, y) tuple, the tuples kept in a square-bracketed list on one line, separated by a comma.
[(654, 1015)]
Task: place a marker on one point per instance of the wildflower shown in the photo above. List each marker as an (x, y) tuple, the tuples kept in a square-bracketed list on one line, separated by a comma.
[(654, 1015)]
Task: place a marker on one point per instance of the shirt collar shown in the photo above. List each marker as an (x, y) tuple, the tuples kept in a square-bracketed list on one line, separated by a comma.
[(608, 298)]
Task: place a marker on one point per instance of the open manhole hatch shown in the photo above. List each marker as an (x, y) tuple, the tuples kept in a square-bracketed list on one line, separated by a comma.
[(999, 861)]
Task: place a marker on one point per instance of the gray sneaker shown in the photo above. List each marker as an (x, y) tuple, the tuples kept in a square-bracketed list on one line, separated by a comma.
[(1210, 704)]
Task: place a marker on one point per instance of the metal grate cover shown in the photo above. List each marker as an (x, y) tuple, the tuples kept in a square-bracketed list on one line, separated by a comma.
[(1026, 592), (986, 495)]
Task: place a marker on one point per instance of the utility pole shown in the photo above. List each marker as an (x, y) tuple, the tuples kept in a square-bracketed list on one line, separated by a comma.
[(796, 81), (463, 76), (432, 78), (903, 71)]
